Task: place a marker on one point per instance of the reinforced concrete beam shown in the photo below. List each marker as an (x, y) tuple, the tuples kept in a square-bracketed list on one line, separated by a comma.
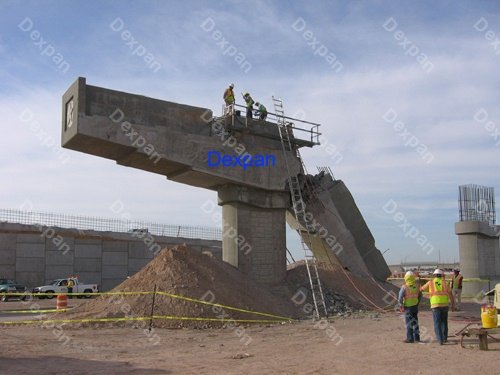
[(171, 139)]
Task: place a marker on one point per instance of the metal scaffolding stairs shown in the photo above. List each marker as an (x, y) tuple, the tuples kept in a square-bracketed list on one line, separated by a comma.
[(299, 208)]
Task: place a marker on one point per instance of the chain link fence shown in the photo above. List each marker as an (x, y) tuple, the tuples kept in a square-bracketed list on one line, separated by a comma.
[(108, 224)]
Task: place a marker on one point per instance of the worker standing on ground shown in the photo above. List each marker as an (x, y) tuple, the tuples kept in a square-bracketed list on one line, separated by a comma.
[(229, 99), (456, 287), (440, 296), (70, 286), (249, 102), (262, 111), (409, 298)]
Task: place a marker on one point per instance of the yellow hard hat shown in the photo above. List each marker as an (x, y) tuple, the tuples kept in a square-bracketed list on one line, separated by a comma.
[(409, 276)]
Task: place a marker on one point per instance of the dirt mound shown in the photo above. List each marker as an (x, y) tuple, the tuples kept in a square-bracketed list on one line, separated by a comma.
[(343, 290), (185, 272)]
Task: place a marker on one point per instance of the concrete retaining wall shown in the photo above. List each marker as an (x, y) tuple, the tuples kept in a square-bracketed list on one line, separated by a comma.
[(34, 255)]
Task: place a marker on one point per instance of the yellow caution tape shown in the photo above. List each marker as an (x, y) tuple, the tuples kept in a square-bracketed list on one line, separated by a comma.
[(220, 305), (470, 280), (168, 295), (31, 311), (97, 320)]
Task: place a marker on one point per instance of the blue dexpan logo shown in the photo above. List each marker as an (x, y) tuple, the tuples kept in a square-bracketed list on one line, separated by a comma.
[(215, 159)]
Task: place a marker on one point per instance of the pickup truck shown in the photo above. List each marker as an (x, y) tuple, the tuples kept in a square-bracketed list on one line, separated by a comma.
[(10, 286), (60, 286)]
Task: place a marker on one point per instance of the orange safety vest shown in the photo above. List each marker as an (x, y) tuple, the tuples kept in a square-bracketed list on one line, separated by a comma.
[(438, 290), (411, 295)]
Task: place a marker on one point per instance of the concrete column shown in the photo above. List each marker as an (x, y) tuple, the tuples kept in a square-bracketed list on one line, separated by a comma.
[(254, 231), (478, 246)]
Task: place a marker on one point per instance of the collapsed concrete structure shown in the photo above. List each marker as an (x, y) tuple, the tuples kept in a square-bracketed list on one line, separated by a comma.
[(189, 145)]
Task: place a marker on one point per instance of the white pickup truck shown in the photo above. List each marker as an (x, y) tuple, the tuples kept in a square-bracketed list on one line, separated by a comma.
[(61, 286)]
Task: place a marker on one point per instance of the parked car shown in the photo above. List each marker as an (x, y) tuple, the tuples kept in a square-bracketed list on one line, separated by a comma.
[(61, 286), (10, 286)]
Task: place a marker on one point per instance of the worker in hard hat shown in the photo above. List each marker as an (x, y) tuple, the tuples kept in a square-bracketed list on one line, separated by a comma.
[(456, 287), (70, 286), (229, 99), (262, 111), (409, 298), (441, 297), (249, 102)]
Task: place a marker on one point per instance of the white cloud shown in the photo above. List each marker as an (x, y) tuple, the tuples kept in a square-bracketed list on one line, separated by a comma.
[(436, 107)]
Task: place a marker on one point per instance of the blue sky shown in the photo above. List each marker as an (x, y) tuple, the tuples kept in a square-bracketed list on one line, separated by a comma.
[(437, 106)]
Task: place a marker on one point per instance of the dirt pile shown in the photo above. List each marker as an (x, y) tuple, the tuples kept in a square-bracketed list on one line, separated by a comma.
[(344, 292), (185, 272)]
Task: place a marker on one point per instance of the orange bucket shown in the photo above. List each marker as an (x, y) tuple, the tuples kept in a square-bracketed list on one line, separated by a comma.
[(489, 316), (62, 302)]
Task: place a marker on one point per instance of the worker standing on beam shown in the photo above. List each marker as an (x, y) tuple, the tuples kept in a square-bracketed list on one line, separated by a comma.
[(229, 99), (249, 102), (262, 111), (440, 295), (409, 298)]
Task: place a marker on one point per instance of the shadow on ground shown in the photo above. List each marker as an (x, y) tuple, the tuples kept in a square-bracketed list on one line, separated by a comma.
[(66, 366)]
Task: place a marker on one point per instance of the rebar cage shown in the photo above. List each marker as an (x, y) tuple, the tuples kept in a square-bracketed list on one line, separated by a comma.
[(477, 203)]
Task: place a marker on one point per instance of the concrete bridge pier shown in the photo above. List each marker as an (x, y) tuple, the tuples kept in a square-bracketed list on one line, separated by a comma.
[(479, 255), (254, 231)]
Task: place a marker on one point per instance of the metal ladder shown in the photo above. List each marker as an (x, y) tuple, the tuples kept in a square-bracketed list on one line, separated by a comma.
[(289, 257), (299, 208)]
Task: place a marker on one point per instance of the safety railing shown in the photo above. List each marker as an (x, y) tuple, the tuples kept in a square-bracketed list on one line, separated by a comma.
[(108, 224), (296, 125)]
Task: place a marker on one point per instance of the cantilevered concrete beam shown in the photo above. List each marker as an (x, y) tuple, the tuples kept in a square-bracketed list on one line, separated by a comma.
[(176, 140), (169, 138)]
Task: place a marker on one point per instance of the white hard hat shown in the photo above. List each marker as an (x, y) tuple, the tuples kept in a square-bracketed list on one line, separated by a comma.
[(409, 273), (438, 272), (231, 85)]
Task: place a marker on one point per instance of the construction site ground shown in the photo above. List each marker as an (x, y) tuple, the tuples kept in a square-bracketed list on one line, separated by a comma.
[(364, 343)]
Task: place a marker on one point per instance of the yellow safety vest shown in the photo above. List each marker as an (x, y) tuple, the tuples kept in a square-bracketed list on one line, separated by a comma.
[(411, 295), (229, 96), (438, 290), (249, 101), (457, 282)]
